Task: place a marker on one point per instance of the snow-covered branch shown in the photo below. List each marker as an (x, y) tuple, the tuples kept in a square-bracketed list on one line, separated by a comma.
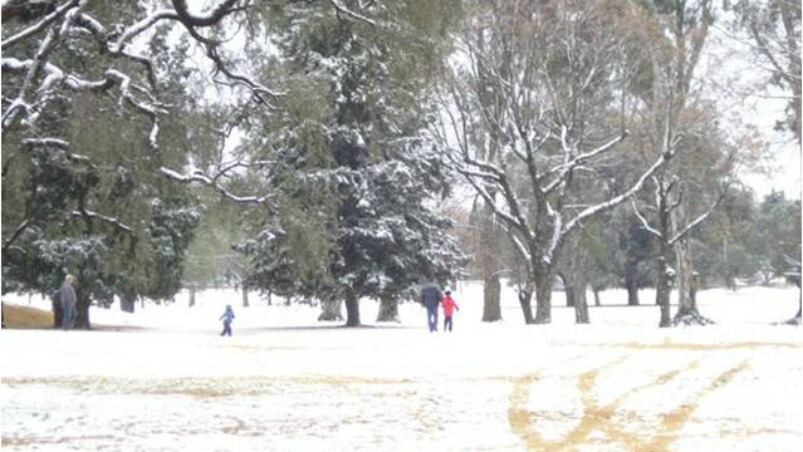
[(57, 143), (492, 203), (200, 177), (697, 221), (644, 221), (39, 26), (613, 202), (340, 8), (106, 219), (131, 32), (565, 169)]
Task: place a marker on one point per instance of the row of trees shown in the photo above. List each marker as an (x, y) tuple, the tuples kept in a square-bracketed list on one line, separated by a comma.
[(334, 129), (744, 242)]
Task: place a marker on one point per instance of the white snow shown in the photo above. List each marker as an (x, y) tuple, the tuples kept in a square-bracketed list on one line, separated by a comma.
[(164, 380)]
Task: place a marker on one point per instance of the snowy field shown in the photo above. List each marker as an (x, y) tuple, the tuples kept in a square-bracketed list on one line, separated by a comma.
[(166, 381)]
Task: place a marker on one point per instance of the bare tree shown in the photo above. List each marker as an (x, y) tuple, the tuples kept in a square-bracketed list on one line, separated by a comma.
[(558, 70), (674, 119)]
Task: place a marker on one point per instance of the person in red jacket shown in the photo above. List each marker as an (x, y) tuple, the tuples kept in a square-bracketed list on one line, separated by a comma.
[(449, 306)]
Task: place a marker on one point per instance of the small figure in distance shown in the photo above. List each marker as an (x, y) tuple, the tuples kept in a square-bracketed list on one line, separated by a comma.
[(227, 317), (449, 306), (430, 298), (68, 299)]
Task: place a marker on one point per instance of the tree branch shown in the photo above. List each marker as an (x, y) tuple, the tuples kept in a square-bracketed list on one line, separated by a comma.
[(200, 177)]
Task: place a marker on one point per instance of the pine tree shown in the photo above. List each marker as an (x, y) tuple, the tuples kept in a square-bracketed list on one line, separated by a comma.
[(357, 173)]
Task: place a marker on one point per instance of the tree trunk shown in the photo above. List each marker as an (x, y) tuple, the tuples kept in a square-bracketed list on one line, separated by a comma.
[(597, 301), (581, 304), (82, 307), (491, 307), (58, 313), (632, 288), (687, 309), (525, 296), (192, 295), (352, 310), (543, 295), (127, 303), (388, 310), (579, 284), (568, 288), (662, 286), (245, 295), (331, 310)]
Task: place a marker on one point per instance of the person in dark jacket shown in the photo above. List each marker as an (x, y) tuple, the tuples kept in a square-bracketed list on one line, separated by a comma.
[(431, 299), (227, 317), (68, 299)]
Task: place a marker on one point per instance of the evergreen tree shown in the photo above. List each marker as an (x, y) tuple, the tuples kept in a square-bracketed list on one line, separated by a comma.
[(354, 168)]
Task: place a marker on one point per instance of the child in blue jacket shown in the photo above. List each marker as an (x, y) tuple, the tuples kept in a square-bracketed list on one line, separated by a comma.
[(227, 317)]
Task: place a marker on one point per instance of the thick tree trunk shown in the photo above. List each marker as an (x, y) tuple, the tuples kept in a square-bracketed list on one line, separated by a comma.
[(662, 286), (543, 295), (525, 296), (58, 313), (579, 283), (597, 301), (82, 307), (388, 310), (581, 304), (575, 281), (632, 288), (687, 308), (568, 288), (128, 303), (331, 310), (491, 307), (352, 310)]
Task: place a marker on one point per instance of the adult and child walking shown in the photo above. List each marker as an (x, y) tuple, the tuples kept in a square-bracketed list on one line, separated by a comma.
[(432, 299)]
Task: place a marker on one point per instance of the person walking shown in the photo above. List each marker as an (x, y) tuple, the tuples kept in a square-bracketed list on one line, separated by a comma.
[(430, 298), (227, 317), (68, 300), (449, 306)]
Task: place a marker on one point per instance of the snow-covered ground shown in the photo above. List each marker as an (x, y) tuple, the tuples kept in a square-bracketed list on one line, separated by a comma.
[(286, 382)]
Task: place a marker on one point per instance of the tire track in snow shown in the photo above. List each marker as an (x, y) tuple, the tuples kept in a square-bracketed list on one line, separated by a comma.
[(601, 418), (521, 419), (672, 422)]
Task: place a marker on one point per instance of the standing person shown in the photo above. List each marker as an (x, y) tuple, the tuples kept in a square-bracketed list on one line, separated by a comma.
[(68, 299), (227, 317), (430, 298), (448, 309)]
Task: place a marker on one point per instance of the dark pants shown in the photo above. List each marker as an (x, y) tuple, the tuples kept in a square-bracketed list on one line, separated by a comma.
[(432, 318), (226, 329), (447, 323), (69, 313)]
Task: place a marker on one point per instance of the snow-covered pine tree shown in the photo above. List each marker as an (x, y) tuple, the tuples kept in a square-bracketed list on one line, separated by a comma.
[(357, 176)]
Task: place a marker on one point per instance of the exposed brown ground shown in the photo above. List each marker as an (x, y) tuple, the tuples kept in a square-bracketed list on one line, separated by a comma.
[(24, 317)]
